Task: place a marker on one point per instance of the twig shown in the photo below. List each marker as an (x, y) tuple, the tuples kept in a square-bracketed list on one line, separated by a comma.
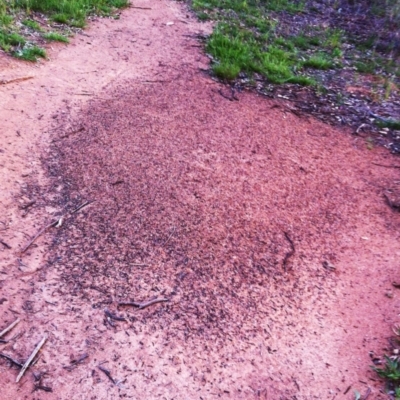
[(107, 372), (291, 252), (113, 316), (30, 204), (86, 203), (141, 8), (54, 223), (9, 327), (386, 166), (30, 359), (233, 96), (393, 205), (44, 388), (7, 246), (347, 390), (367, 394), (7, 81), (82, 128), (18, 364), (76, 362), (143, 305)]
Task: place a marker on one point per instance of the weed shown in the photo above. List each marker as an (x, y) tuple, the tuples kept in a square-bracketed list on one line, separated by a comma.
[(202, 16), (366, 67), (32, 24), (30, 53), (391, 371), (7, 40), (318, 61), (56, 37), (390, 123), (334, 38)]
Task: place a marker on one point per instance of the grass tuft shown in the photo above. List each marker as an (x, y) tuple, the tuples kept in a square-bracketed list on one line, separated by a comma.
[(55, 37), (30, 53), (318, 61), (32, 24)]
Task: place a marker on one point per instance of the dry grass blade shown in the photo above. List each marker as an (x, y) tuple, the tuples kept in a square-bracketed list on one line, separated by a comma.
[(30, 359), (9, 327), (29, 244)]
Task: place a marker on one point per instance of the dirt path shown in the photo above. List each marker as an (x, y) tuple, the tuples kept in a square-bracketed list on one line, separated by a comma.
[(234, 211)]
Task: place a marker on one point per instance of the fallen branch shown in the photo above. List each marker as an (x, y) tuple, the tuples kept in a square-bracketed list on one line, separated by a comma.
[(76, 362), (291, 252), (18, 364), (9, 327), (30, 359), (107, 372), (143, 305)]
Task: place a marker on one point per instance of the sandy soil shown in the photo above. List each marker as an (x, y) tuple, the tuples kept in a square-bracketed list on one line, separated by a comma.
[(269, 234)]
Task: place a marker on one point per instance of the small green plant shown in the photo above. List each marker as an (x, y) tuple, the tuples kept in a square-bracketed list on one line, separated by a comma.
[(390, 123), (30, 53), (202, 16), (32, 24), (8, 40), (55, 37), (365, 67), (318, 61), (391, 371)]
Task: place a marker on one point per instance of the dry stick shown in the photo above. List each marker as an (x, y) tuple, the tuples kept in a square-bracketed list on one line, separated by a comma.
[(109, 314), (68, 134), (30, 359), (86, 203), (9, 327), (7, 246), (367, 394), (107, 372), (30, 204), (145, 304), (6, 82), (18, 364), (386, 166), (141, 8), (290, 253), (54, 223), (76, 362)]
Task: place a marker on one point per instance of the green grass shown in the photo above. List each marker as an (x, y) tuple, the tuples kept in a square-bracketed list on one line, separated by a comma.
[(71, 12), (10, 39), (318, 61), (391, 124), (32, 24), (18, 15), (55, 37), (247, 39), (30, 53)]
